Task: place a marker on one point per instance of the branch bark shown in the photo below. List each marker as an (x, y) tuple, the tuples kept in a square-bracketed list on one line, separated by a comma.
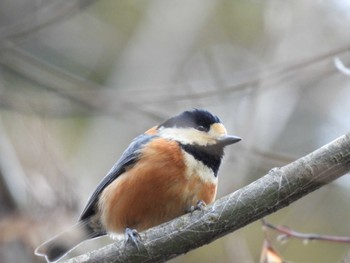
[(277, 189)]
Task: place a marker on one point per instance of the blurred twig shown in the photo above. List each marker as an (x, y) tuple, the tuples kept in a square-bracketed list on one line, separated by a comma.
[(80, 92), (287, 232), (273, 73), (48, 13), (86, 96), (277, 189)]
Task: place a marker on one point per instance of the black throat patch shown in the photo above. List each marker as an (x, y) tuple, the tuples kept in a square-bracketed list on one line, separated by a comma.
[(210, 155)]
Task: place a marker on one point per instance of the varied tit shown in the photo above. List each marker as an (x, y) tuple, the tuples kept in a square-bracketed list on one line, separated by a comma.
[(164, 173)]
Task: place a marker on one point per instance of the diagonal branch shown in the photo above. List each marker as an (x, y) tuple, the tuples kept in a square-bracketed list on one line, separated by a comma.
[(277, 189)]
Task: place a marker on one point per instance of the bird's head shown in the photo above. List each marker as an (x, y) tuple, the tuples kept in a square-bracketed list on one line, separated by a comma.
[(196, 127)]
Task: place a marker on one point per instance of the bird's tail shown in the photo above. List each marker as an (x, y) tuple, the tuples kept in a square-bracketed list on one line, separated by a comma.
[(58, 246)]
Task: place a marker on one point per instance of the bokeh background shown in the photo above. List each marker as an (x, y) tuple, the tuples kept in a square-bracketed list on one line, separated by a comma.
[(79, 79)]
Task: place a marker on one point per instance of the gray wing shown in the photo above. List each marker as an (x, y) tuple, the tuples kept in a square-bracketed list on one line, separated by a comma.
[(128, 158)]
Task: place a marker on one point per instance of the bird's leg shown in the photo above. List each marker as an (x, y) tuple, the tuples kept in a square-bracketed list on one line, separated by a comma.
[(199, 206), (133, 236)]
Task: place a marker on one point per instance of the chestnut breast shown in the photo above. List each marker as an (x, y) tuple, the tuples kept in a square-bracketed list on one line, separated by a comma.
[(163, 184)]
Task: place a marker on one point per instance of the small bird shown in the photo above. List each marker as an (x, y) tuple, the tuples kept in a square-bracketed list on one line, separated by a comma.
[(164, 173)]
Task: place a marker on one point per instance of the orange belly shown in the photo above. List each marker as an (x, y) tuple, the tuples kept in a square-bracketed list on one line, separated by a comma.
[(154, 191)]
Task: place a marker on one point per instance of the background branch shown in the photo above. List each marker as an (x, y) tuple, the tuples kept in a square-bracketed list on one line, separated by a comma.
[(286, 232), (277, 189), (47, 14)]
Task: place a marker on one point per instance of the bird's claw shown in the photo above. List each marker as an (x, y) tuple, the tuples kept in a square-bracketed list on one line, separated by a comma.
[(131, 235), (199, 206)]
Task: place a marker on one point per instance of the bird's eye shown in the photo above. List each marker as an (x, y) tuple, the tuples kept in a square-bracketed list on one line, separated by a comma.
[(201, 128)]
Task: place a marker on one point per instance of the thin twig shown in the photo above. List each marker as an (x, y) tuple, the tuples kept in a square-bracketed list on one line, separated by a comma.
[(287, 233)]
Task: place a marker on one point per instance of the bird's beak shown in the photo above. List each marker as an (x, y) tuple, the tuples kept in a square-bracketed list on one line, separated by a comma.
[(227, 140)]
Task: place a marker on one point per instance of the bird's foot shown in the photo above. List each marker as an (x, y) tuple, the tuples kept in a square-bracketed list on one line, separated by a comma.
[(199, 206), (131, 235)]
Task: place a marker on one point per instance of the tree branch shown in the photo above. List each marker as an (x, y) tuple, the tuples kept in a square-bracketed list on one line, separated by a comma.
[(277, 189)]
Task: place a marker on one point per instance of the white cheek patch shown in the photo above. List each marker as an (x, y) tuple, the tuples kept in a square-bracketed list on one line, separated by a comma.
[(197, 168), (186, 136)]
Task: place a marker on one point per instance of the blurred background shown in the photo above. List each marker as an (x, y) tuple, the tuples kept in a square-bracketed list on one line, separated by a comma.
[(79, 79)]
